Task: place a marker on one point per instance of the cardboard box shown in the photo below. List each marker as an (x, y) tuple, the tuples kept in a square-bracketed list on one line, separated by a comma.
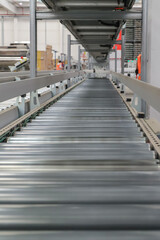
[(45, 59), (49, 56), (41, 55), (41, 65), (49, 47)]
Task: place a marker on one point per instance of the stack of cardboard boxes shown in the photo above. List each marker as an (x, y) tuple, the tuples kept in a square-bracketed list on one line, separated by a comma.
[(49, 58), (41, 60), (45, 59)]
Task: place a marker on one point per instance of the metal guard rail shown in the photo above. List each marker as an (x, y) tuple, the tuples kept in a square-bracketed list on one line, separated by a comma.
[(10, 76), (147, 92), (10, 90)]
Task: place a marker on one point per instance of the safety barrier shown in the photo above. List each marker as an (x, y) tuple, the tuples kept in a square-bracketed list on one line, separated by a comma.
[(147, 92)]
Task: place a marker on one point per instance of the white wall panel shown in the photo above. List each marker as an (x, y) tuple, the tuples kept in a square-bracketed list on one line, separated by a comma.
[(23, 29), (8, 31), (20, 31), (112, 61), (154, 48)]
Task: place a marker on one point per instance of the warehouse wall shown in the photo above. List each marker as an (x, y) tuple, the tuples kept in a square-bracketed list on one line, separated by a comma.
[(48, 32), (112, 61), (153, 48)]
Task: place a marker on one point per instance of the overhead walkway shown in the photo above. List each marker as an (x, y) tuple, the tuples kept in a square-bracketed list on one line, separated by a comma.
[(81, 170), (94, 24)]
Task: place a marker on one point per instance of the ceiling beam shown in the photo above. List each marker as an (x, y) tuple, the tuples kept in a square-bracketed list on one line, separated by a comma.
[(89, 15), (82, 3), (95, 27), (96, 41), (98, 50), (96, 33), (107, 37), (101, 42), (8, 6)]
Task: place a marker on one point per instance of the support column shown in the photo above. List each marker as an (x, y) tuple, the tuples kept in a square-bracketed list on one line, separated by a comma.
[(33, 39), (153, 49), (69, 52), (123, 51), (108, 60), (64, 58), (45, 33), (61, 28), (2, 31), (144, 50), (115, 58), (79, 58), (117, 82), (55, 58), (34, 101), (122, 57)]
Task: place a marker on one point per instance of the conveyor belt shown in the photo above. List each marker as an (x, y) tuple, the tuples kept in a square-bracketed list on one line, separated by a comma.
[(81, 170)]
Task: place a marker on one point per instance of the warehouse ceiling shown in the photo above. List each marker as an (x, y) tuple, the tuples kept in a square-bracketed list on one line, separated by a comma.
[(97, 36)]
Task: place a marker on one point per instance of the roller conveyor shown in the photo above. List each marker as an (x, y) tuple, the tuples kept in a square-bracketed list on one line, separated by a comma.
[(80, 170), (79, 235)]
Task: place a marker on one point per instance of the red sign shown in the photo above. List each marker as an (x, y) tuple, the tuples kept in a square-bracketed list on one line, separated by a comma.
[(119, 47)]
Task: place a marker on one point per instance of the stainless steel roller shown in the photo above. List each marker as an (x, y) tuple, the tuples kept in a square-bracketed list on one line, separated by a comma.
[(80, 235), (80, 170)]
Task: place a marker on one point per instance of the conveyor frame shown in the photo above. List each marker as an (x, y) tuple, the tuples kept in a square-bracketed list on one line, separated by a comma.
[(144, 91), (59, 175), (152, 138), (16, 125)]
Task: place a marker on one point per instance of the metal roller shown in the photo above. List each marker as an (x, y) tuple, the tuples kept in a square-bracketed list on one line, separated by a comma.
[(80, 235), (65, 193), (79, 217), (80, 170)]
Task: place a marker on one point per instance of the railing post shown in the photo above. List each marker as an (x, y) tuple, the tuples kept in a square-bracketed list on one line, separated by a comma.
[(34, 101), (69, 52), (79, 58), (123, 57), (116, 59), (33, 39), (116, 68), (144, 50), (55, 58), (20, 101)]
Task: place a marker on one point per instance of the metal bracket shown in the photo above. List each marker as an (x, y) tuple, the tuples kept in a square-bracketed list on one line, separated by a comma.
[(71, 81), (34, 100), (118, 84), (114, 80), (84, 77), (53, 89), (122, 88), (68, 83), (137, 105), (79, 79), (61, 86), (17, 78), (74, 80), (20, 101)]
